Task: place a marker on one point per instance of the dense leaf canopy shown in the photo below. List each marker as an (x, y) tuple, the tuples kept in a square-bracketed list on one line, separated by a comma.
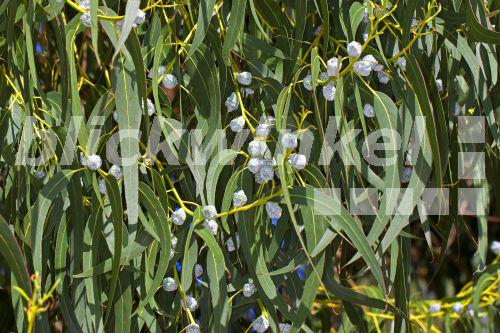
[(225, 166)]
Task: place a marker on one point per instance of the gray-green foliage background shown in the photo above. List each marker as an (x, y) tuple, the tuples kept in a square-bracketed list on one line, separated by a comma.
[(111, 252)]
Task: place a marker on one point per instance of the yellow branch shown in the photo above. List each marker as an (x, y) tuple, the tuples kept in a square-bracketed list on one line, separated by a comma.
[(118, 17)]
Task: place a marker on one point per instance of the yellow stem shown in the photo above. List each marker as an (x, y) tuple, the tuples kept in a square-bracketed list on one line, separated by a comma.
[(118, 17), (179, 200), (256, 203)]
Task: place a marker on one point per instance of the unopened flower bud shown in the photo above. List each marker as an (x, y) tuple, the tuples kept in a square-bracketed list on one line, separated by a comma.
[(232, 103), (249, 289), (239, 198), (354, 49), (211, 226), (93, 162), (198, 270), (261, 324), (289, 140), (85, 18), (178, 216), (254, 165), (169, 284), (191, 303), (102, 187), (230, 244), (298, 161), (116, 172), (209, 212), (273, 210), (244, 78), (237, 124), (169, 81), (333, 66), (363, 68), (369, 111), (329, 91), (307, 82)]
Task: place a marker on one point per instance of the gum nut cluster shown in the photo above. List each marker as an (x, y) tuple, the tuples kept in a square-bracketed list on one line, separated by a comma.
[(198, 270), (285, 327), (249, 289), (298, 161), (333, 67), (262, 131), (93, 162), (191, 302), (307, 82), (434, 308), (289, 140), (244, 78), (178, 216), (40, 174), (169, 81), (373, 63), (266, 173), (102, 187), (254, 165), (329, 91), (161, 70), (406, 175), (273, 210), (84, 4), (368, 111), (169, 284), (261, 324), (151, 107), (257, 148), (495, 247), (439, 85), (402, 63), (457, 307), (362, 68), (237, 124), (193, 328), (116, 171), (239, 198), (85, 18), (230, 244), (354, 49), (209, 212), (232, 102)]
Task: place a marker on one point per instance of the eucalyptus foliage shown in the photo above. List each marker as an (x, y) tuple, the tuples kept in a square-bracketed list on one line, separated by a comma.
[(205, 165)]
